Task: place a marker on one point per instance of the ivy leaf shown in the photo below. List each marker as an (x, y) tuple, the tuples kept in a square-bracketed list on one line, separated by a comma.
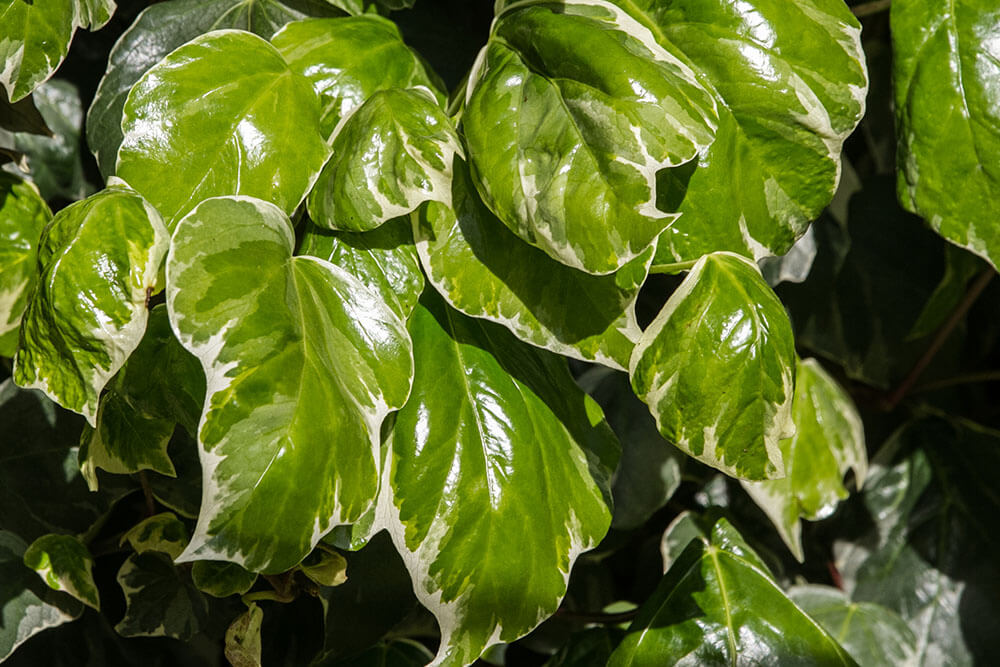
[(23, 216), (160, 599), (302, 364), (160, 386), (158, 30), (21, 116), (393, 153), (719, 604), (384, 260), (326, 568), (829, 440), (484, 270), (716, 368), (35, 37), (220, 579), (790, 81), (514, 438), (238, 130), (27, 606), (163, 533), (99, 260), (65, 564), (944, 70), (872, 634), (243, 645), (348, 60), (571, 110)]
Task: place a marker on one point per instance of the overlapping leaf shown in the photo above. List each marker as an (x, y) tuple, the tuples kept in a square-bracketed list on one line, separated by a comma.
[(163, 533), (160, 600), (65, 564), (945, 65), (302, 363), (717, 366), (160, 386), (35, 37), (572, 109), (494, 432), (99, 261), (158, 30), (220, 579), (718, 604), (790, 83), (486, 271), (393, 153), (23, 216), (350, 59), (225, 128), (829, 440)]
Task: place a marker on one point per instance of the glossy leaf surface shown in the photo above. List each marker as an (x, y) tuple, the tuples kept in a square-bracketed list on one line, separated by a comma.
[(160, 386), (829, 440), (510, 438), (948, 116), (872, 634), (23, 216), (719, 605), (302, 364), (571, 111), (35, 37), (99, 262), (716, 367), (228, 129), (158, 30), (486, 271), (160, 599), (393, 153), (65, 564), (348, 60), (27, 605), (790, 83), (384, 260)]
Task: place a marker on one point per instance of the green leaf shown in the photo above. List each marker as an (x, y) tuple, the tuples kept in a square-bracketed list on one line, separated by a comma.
[(158, 30), (56, 167), (829, 440), (238, 130), (21, 116), (396, 653), (65, 564), (220, 579), (23, 216), (590, 648), (719, 605), (959, 268), (35, 37), (160, 599), (650, 468), (484, 270), (163, 533), (160, 386), (302, 364), (944, 70), (99, 261), (571, 110), (348, 60), (393, 153), (790, 82), (514, 441), (326, 568), (717, 366), (182, 493), (872, 634), (243, 645), (27, 606), (384, 260)]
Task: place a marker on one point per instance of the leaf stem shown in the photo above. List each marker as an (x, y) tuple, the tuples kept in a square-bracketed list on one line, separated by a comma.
[(869, 8), (975, 289), (147, 493), (675, 267)]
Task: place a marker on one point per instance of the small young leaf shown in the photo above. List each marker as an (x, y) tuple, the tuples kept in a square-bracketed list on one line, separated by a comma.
[(326, 568), (717, 368), (23, 216), (65, 564), (243, 646), (162, 532), (160, 599), (100, 260), (221, 579)]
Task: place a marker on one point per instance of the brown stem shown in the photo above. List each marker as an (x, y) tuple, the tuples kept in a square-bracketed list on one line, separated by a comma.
[(869, 8), (975, 289), (147, 492)]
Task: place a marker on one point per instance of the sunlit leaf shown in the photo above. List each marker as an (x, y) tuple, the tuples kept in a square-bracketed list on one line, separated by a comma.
[(23, 216), (65, 564)]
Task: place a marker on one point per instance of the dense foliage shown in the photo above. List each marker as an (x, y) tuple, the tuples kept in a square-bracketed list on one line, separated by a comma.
[(564, 332)]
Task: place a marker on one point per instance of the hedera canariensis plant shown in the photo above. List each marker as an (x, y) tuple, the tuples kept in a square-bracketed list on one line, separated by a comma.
[(553, 332)]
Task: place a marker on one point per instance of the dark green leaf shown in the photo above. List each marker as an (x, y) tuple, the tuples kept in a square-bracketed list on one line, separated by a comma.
[(163, 533), (221, 579), (160, 599)]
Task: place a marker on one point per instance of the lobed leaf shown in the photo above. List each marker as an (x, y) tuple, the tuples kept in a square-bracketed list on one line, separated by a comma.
[(160, 600), (65, 564)]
